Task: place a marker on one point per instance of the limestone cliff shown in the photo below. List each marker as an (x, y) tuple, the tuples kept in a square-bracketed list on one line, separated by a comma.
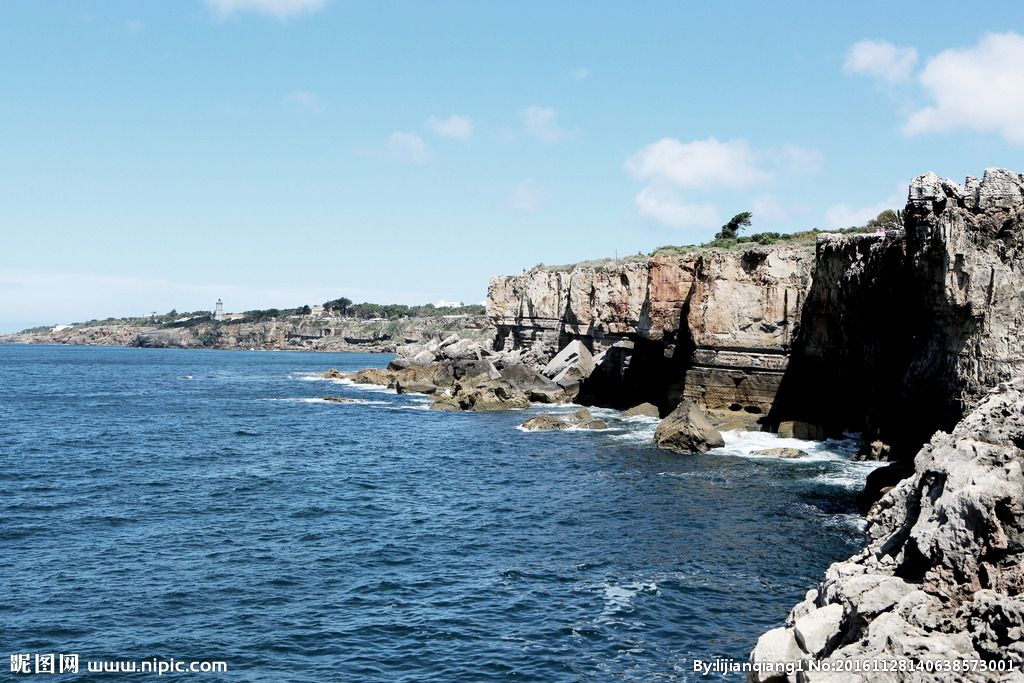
[(714, 326)]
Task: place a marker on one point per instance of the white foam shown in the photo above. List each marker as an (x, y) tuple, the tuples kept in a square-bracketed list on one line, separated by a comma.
[(744, 444), (619, 598)]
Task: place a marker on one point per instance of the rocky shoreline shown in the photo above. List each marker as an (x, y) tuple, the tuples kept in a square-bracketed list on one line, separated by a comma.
[(286, 334), (898, 336)]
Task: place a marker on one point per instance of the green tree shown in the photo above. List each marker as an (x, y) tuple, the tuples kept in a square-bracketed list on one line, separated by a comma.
[(340, 305), (732, 229)]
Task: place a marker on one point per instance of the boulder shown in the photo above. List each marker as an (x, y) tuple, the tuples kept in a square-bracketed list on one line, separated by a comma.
[(480, 393), (574, 355), (545, 423), (818, 631), (644, 409), (447, 403), (583, 419), (781, 452), (536, 386), (385, 378), (687, 430), (403, 386), (473, 368), (423, 358), (334, 373), (777, 646)]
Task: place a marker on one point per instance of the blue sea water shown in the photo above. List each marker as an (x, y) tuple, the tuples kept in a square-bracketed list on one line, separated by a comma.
[(207, 505)]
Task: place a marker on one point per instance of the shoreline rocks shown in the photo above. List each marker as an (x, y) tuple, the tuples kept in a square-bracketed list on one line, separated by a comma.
[(943, 573), (581, 419)]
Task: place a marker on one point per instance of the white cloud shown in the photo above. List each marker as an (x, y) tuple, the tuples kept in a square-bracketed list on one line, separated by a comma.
[(881, 59), (979, 88), (304, 100), (542, 123), (279, 9), (767, 208), (700, 164), (663, 205), (580, 74), (455, 126), (526, 196), (407, 148), (797, 159), (846, 216)]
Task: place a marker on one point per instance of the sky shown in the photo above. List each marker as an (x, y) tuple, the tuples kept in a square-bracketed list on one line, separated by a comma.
[(274, 153)]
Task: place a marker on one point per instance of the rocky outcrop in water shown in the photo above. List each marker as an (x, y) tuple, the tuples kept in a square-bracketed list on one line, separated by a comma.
[(942, 576)]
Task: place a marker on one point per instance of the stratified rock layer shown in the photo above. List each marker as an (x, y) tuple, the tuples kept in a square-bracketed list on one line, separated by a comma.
[(710, 326)]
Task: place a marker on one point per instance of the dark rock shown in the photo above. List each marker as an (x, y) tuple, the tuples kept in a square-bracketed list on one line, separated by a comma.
[(687, 430)]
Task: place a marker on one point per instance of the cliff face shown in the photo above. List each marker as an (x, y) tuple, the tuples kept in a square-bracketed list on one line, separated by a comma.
[(894, 335), (713, 326)]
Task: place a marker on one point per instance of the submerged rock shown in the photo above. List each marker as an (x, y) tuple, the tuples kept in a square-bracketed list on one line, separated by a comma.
[(781, 452), (687, 430), (339, 399), (581, 419)]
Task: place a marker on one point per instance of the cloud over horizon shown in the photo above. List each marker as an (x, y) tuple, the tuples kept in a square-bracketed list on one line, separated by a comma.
[(279, 9)]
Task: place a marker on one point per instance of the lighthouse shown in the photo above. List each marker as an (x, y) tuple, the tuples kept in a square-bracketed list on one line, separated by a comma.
[(218, 313)]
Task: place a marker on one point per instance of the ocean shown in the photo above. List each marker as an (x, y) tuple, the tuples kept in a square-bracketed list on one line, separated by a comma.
[(209, 506)]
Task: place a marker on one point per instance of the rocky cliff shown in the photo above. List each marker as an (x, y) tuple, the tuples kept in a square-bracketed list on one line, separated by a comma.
[(291, 333), (941, 579), (710, 325)]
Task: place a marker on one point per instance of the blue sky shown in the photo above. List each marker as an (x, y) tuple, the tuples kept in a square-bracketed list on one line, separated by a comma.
[(158, 155)]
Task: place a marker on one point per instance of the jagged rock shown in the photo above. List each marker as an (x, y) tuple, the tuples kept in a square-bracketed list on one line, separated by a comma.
[(583, 419), (687, 430), (819, 630), (447, 403), (385, 378), (644, 409), (942, 574), (475, 368), (480, 393), (334, 373), (782, 452), (775, 646), (545, 423), (536, 386), (573, 363)]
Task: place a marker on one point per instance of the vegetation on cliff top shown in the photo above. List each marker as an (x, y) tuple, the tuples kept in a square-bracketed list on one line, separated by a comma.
[(729, 238)]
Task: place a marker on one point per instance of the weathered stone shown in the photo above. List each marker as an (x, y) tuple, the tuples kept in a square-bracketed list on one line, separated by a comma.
[(644, 410), (795, 429), (776, 647), (687, 430), (817, 632), (334, 373), (414, 387), (574, 362), (782, 452), (545, 423)]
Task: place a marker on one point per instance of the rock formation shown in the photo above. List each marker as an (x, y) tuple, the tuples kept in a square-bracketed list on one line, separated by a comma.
[(710, 326), (942, 576), (687, 430)]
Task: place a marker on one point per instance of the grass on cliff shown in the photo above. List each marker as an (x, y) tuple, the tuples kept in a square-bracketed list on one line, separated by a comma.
[(758, 239)]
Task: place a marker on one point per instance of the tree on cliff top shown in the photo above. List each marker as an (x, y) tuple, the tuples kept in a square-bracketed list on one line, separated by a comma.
[(731, 229)]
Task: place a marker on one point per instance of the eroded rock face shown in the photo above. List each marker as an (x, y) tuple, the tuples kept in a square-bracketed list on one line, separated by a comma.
[(711, 326), (943, 574)]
